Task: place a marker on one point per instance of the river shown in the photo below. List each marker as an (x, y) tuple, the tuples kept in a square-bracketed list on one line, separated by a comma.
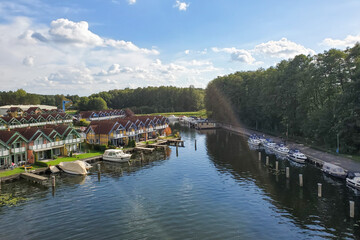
[(218, 191)]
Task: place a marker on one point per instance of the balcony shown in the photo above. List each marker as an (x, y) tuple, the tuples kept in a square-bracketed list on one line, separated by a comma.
[(40, 146), (75, 140), (2, 127), (131, 133), (57, 143), (4, 153), (115, 136), (18, 150)]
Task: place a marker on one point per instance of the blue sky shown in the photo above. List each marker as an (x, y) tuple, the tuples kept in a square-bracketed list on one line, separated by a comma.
[(86, 46)]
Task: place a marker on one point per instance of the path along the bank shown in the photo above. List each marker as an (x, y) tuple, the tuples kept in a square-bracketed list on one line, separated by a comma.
[(313, 154)]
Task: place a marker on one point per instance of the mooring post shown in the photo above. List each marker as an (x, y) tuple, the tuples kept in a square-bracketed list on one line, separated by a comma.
[(267, 160), (277, 166), (287, 172), (259, 156), (142, 156), (319, 189), (195, 144), (177, 149), (300, 180), (53, 181), (352, 209), (99, 167)]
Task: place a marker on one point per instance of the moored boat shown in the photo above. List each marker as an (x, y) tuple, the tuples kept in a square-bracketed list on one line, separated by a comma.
[(116, 155), (296, 156), (270, 144), (77, 167), (254, 140), (354, 182), (281, 149), (334, 170)]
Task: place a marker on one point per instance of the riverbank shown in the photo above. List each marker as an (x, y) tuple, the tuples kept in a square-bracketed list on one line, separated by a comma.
[(314, 155)]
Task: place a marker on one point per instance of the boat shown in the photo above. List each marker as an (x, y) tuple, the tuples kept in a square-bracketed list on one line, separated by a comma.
[(281, 149), (262, 140), (77, 167), (54, 169), (334, 170), (254, 140), (354, 182), (270, 144), (87, 165), (116, 155), (296, 156)]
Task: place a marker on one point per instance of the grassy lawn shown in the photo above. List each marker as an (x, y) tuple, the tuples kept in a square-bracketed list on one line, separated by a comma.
[(71, 112), (74, 158), (16, 171), (201, 113)]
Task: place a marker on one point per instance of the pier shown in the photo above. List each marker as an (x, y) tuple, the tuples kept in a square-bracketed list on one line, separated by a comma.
[(33, 177)]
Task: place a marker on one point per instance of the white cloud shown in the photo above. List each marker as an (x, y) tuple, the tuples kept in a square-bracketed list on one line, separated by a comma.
[(349, 41), (28, 61), (131, 2), (239, 55), (66, 31), (282, 49), (182, 6), (187, 51)]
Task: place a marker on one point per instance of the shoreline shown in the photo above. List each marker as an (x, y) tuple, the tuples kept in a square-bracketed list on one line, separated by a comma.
[(315, 156)]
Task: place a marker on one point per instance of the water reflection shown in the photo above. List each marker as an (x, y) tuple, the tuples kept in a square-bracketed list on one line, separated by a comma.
[(327, 215)]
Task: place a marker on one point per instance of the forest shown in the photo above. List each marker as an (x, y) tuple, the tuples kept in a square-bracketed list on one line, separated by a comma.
[(139, 100), (315, 98)]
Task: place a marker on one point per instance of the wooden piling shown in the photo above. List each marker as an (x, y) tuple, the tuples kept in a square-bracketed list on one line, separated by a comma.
[(300, 180), (319, 190), (259, 156), (53, 181), (277, 166), (99, 167), (287, 172), (267, 160), (195, 144), (177, 149), (352, 209)]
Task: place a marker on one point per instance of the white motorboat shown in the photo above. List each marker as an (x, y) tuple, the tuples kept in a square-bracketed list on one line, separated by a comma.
[(116, 155), (254, 141), (77, 167), (334, 170), (296, 156), (354, 182), (281, 149), (270, 144), (262, 140)]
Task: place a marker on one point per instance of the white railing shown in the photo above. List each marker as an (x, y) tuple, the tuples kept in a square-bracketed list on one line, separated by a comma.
[(118, 136), (2, 127), (18, 150), (4, 153), (131, 133), (140, 131), (150, 129)]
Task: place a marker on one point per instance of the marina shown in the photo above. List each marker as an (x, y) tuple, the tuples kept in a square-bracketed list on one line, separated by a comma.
[(168, 196)]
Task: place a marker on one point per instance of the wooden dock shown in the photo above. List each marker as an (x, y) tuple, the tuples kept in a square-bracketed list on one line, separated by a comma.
[(144, 149), (178, 142), (33, 177)]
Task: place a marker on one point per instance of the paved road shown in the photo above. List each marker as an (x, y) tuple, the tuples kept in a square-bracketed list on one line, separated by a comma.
[(313, 154)]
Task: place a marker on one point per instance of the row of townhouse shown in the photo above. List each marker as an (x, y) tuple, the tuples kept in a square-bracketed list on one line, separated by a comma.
[(21, 144), (19, 112), (34, 120), (101, 115), (119, 131)]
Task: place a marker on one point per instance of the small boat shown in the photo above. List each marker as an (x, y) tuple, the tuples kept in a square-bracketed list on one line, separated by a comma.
[(87, 165), (281, 149), (334, 170), (254, 140), (354, 182), (296, 156), (262, 140), (116, 155), (270, 144), (26, 167), (77, 167)]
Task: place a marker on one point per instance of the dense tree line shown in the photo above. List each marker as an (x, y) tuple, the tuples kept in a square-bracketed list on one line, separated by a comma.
[(139, 100), (313, 97)]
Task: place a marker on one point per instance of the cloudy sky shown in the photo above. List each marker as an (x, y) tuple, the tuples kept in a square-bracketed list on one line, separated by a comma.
[(86, 46)]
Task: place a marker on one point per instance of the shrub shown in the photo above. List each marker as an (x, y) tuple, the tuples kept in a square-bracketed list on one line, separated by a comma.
[(102, 147), (131, 143), (41, 164), (55, 157)]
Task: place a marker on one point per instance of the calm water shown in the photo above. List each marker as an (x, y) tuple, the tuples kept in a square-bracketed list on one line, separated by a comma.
[(220, 191)]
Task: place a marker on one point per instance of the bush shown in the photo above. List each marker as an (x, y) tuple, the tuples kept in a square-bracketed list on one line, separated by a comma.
[(102, 147), (131, 143), (55, 157), (71, 153), (41, 164)]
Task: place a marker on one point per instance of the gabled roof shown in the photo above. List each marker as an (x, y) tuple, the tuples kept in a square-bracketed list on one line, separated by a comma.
[(33, 109), (31, 133), (14, 109), (51, 133), (103, 127), (9, 137)]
